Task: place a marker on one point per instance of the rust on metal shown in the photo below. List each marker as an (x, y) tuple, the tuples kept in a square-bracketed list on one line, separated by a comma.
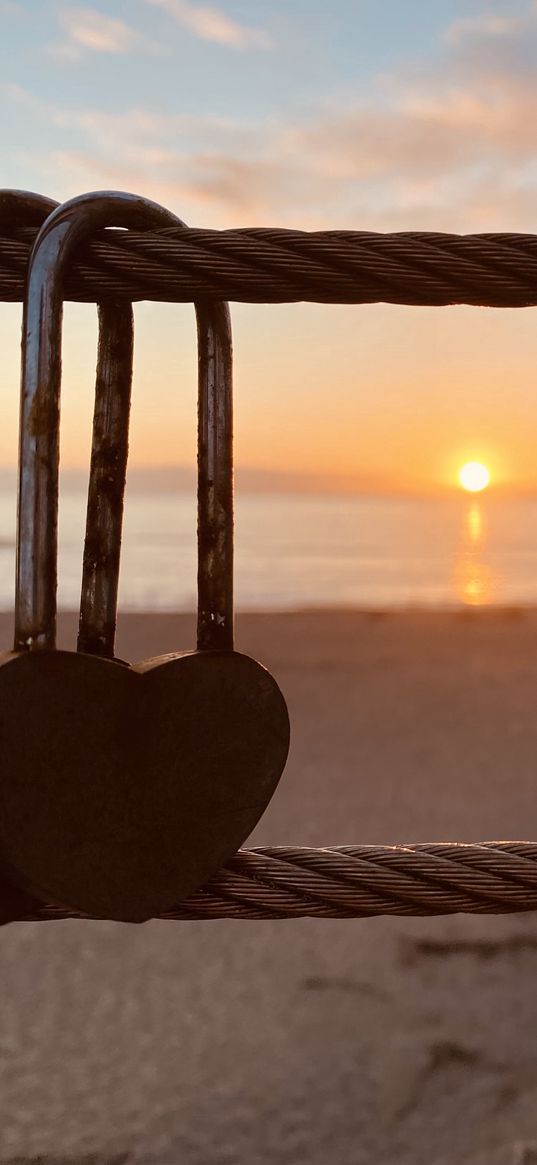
[(35, 604), (109, 452), (37, 536), (215, 479)]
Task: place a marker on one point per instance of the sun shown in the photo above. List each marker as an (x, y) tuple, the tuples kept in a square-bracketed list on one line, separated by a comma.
[(474, 476)]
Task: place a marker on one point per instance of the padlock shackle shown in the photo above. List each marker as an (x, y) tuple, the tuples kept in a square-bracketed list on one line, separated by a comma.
[(36, 578), (107, 476), (113, 383), (24, 208), (215, 631)]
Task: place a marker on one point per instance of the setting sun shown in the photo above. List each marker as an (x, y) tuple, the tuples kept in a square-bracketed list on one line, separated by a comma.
[(474, 476)]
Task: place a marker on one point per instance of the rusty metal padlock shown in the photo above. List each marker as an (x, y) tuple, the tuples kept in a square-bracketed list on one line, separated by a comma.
[(124, 787)]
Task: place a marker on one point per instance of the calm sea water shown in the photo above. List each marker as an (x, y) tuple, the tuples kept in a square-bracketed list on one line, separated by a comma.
[(302, 551)]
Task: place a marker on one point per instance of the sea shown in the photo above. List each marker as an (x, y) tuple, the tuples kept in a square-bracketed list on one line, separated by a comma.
[(302, 551)]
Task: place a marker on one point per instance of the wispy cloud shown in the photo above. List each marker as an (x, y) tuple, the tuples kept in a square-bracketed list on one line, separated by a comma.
[(87, 28), (450, 145), (486, 25), (213, 24), (135, 127)]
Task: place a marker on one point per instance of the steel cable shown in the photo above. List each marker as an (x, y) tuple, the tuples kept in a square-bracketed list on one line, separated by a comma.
[(264, 265), (350, 882)]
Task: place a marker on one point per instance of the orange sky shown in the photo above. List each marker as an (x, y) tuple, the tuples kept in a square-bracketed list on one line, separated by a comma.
[(409, 116), (371, 397)]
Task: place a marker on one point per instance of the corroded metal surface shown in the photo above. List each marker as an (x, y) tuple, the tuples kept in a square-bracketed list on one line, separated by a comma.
[(35, 605), (35, 600), (109, 452), (215, 479)]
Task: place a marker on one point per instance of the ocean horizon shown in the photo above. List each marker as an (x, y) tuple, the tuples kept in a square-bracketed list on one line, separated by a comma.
[(296, 551)]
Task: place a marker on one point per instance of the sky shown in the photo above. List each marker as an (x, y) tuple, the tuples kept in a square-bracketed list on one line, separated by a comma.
[(364, 115)]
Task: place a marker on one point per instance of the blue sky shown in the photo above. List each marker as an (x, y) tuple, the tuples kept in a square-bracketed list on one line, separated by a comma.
[(386, 115), (285, 55), (323, 114)]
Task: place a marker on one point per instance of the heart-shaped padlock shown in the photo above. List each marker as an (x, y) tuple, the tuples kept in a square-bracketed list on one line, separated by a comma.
[(123, 789)]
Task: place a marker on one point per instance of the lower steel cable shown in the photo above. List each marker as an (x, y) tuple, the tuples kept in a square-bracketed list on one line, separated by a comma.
[(348, 882)]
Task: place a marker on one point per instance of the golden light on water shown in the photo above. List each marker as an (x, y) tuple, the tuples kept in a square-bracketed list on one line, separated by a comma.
[(474, 476), (475, 582)]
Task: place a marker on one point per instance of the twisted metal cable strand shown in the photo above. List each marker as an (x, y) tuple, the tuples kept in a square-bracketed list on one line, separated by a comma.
[(356, 882), (266, 265)]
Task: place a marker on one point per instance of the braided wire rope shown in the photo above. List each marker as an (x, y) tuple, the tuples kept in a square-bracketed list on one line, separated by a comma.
[(265, 265), (355, 882)]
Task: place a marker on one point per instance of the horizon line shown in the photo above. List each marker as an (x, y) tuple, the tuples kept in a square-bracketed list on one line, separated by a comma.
[(180, 478)]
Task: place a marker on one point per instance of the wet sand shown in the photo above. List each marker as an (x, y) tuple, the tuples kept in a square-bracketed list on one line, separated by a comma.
[(385, 1041)]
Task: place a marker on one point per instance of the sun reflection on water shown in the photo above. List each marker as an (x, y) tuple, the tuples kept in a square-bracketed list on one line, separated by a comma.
[(475, 583)]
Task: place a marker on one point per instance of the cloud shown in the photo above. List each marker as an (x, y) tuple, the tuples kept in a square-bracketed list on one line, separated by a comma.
[(481, 27), (87, 28), (135, 127), (448, 144), (212, 24)]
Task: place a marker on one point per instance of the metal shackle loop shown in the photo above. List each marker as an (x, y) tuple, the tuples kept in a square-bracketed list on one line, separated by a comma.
[(35, 604), (106, 488), (23, 208), (20, 208)]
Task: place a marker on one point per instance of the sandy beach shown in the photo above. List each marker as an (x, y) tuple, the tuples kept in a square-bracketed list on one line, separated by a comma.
[(374, 1042)]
